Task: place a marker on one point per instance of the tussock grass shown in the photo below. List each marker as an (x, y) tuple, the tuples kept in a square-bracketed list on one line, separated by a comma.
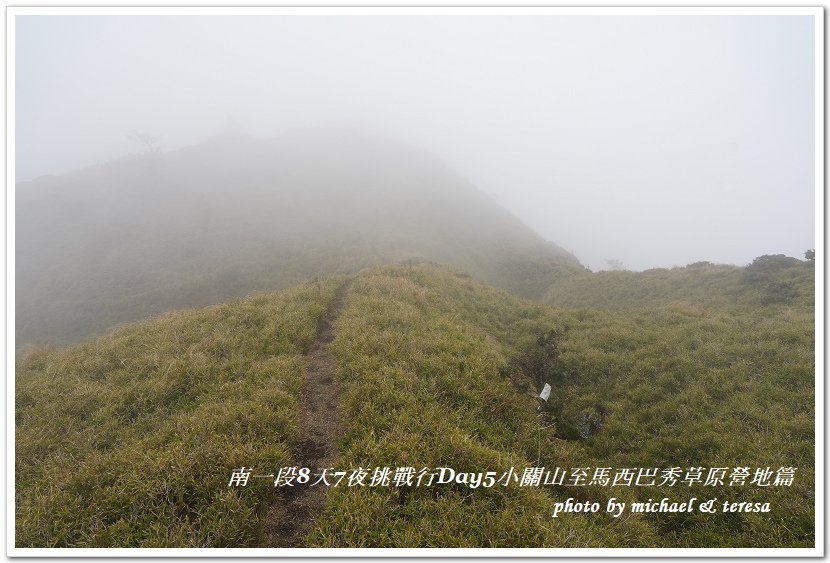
[(129, 440), (423, 352), (420, 350)]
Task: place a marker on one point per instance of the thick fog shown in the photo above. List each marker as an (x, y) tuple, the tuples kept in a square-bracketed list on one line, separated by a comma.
[(653, 141)]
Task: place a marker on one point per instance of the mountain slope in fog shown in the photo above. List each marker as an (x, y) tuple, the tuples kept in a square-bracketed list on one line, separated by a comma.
[(154, 232)]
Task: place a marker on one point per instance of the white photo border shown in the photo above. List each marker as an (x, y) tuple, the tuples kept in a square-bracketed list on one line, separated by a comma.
[(816, 12)]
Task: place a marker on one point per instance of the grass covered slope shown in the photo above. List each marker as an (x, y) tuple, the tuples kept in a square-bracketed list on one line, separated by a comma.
[(705, 389), (422, 353), (436, 370), (430, 363), (699, 364), (127, 441), (768, 280)]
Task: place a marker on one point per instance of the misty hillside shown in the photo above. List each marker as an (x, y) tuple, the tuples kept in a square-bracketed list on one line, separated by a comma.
[(769, 281), (430, 369), (157, 231)]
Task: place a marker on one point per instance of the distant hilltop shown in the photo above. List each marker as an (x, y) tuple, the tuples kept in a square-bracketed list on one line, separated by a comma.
[(152, 232)]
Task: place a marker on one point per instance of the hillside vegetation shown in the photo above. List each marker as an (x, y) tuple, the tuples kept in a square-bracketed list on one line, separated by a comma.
[(437, 370), (768, 280), (126, 440)]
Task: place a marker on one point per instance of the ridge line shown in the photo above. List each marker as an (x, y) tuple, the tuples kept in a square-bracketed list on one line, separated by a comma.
[(295, 508)]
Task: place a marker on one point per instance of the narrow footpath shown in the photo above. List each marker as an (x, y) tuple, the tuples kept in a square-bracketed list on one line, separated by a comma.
[(295, 509)]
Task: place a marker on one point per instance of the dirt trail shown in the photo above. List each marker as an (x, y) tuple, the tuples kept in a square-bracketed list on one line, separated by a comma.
[(295, 509)]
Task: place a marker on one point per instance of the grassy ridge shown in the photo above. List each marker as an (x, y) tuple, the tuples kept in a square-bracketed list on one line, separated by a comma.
[(438, 371), (768, 280), (127, 441), (421, 351)]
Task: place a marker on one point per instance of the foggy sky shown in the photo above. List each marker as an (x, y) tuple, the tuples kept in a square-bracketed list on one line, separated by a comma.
[(657, 141)]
